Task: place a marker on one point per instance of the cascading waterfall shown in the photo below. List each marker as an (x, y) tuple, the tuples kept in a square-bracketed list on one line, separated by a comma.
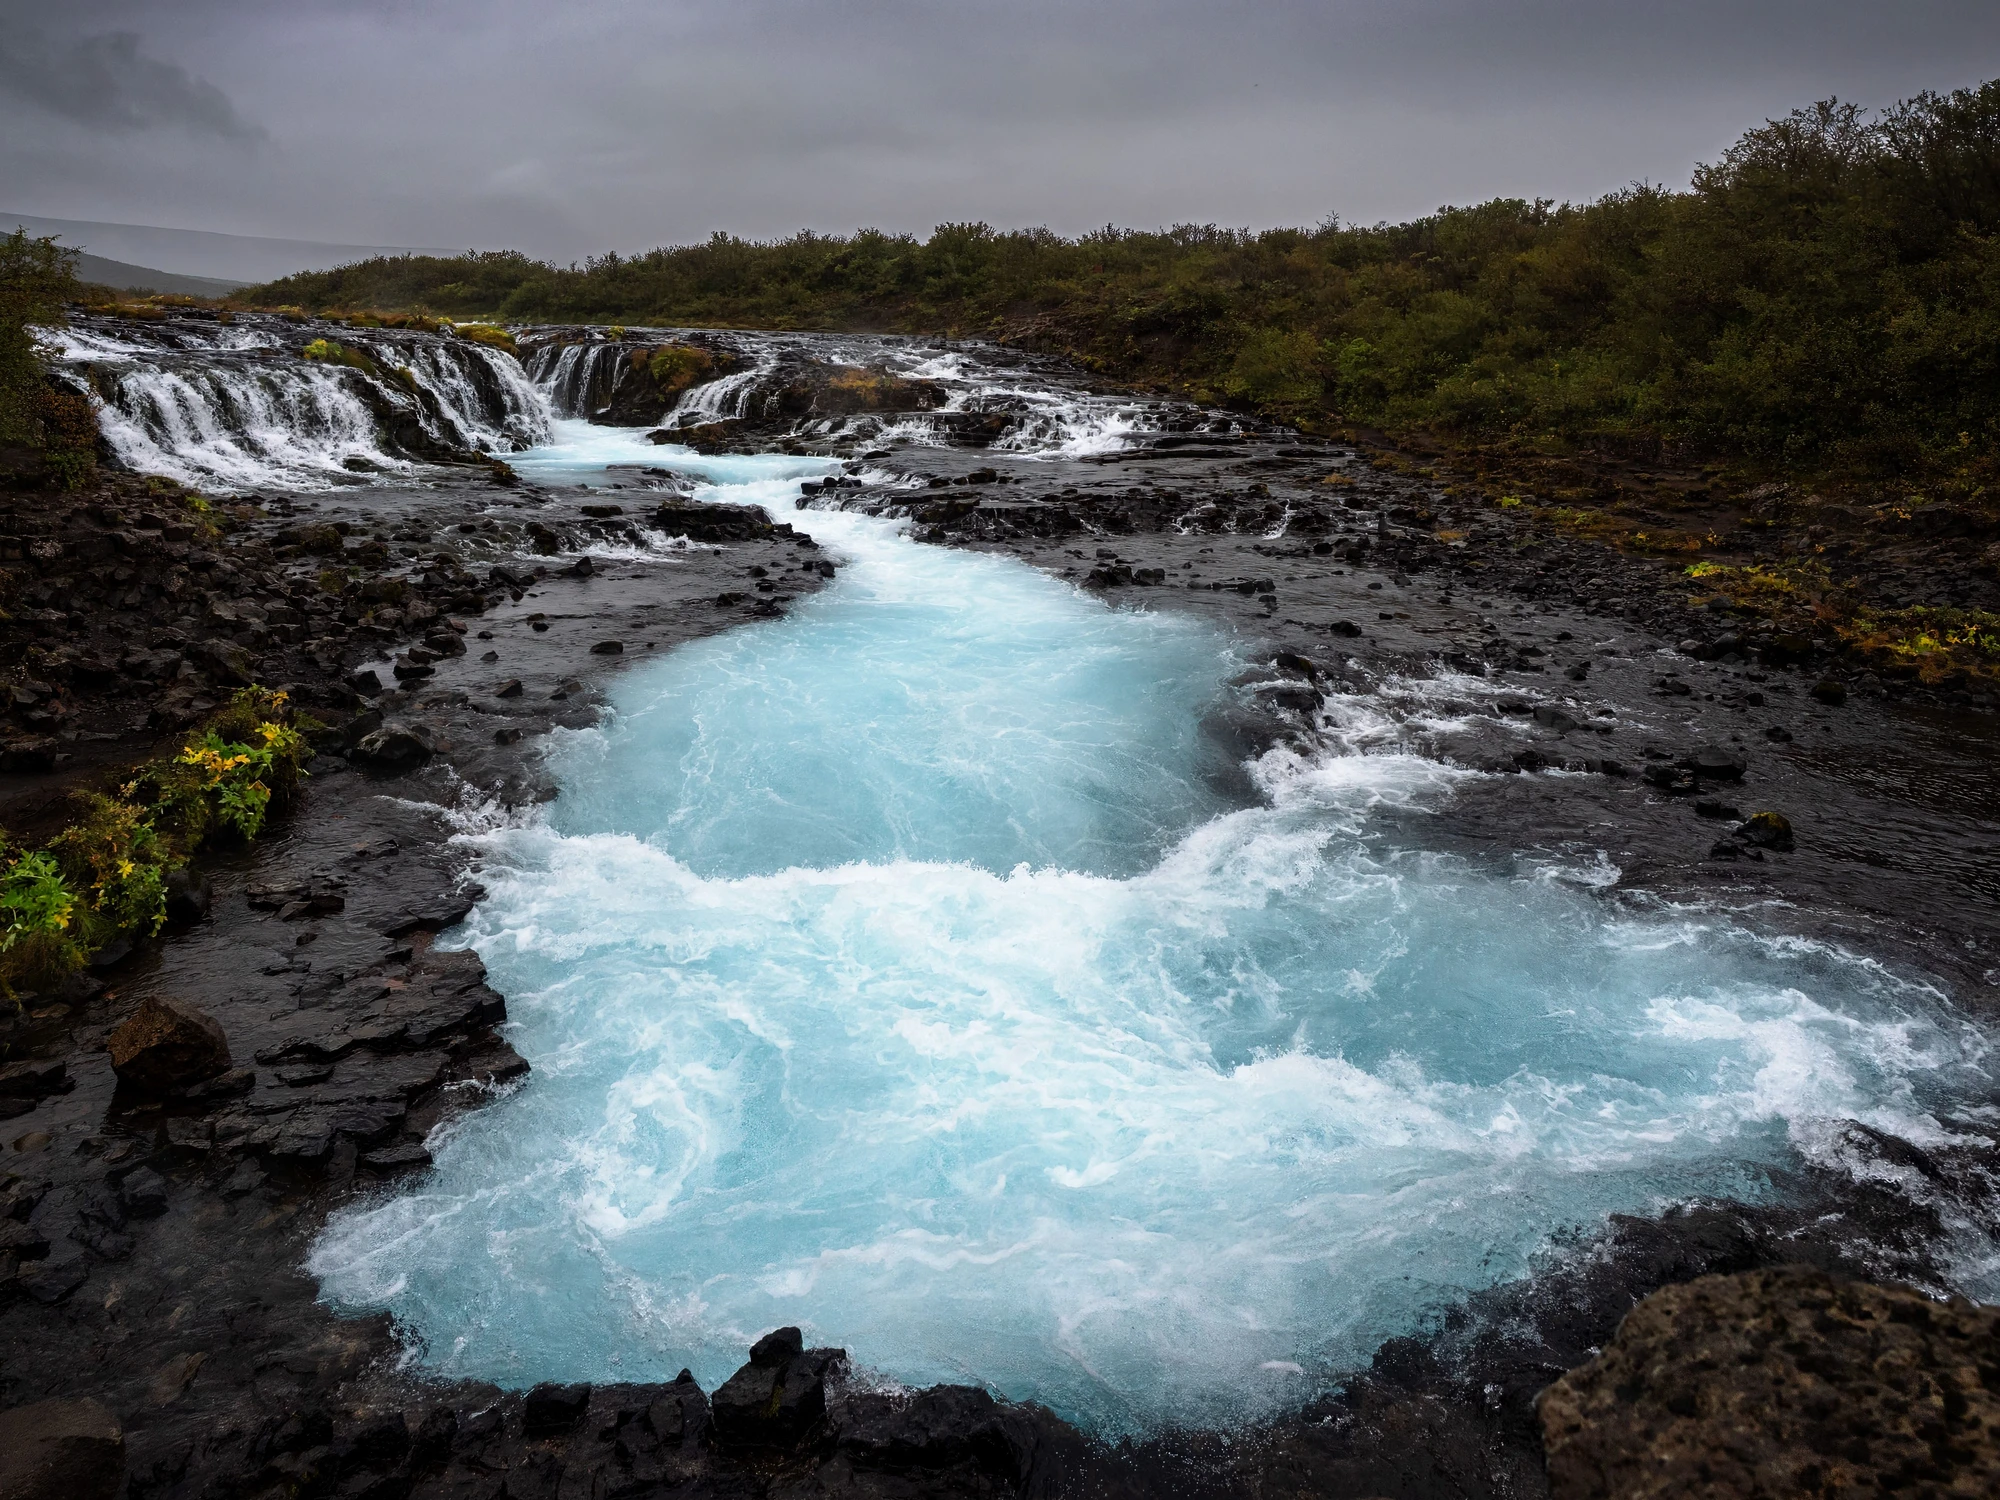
[(576, 377), (237, 407), (718, 400)]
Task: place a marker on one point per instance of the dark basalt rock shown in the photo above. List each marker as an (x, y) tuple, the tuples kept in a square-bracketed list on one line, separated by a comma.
[(712, 523), (164, 1046), (1767, 830), (396, 745), (25, 1084), (947, 1426), (190, 893), (551, 1409), (1715, 763), (778, 1398), (1787, 1381), (61, 1450)]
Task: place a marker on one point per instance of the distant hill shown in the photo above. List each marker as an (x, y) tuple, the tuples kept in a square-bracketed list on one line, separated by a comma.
[(238, 258), (130, 278)]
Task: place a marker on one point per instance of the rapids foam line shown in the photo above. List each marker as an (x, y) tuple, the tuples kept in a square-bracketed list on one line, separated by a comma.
[(916, 970)]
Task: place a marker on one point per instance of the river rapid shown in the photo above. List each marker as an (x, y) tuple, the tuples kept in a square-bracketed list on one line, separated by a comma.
[(925, 968)]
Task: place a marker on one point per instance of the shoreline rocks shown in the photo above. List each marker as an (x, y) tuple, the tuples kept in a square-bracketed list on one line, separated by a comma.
[(166, 1047), (1782, 1382)]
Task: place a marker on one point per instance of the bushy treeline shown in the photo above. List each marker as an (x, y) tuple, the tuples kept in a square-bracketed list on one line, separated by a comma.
[(1828, 294)]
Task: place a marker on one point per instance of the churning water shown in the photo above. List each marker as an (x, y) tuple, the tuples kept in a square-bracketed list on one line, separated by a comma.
[(913, 969), (918, 970)]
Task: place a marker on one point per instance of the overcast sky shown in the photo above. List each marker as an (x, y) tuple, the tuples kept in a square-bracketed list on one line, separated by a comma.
[(566, 127)]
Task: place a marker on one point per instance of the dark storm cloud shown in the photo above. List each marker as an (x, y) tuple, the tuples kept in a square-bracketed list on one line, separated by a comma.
[(108, 82), (626, 123)]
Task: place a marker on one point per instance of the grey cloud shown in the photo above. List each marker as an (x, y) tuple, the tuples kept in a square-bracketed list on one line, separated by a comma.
[(107, 82), (621, 124)]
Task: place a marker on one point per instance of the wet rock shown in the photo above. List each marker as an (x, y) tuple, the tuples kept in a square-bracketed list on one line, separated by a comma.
[(1829, 690), (551, 1409), (779, 1397), (681, 1414), (190, 894), (942, 1428), (1674, 780), (397, 1158), (1767, 830), (608, 648), (396, 745), (1716, 763), (61, 1450), (143, 1193), (1712, 809), (447, 911), (166, 1045), (1781, 1382), (712, 523), (1554, 719), (23, 1085), (367, 683)]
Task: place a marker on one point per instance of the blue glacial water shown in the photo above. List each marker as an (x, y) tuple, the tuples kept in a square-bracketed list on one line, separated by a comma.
[(905, 969)]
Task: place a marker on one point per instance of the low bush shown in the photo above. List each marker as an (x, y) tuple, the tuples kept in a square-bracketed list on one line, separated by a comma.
[(104, 876), (1825, 298)]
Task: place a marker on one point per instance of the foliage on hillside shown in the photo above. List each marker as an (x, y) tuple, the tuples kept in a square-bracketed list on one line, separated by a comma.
[(1826, 295)]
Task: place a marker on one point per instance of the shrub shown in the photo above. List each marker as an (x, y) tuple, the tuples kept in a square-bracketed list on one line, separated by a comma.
[(38, 942), (225, 780), (1275, 368), (68, 422), (37, 277), (676, 366), (486, 333), (114, 854), (104, 876)]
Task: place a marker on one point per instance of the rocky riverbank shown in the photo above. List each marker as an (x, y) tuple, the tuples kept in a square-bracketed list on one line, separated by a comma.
[(153, 1239)]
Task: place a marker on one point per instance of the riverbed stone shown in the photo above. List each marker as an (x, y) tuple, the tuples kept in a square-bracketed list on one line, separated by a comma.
[(397, 745), (167, 1045), (61, 1450)]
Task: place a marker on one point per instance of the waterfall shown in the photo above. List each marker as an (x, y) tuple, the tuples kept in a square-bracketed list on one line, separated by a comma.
[(576, 378), (239, 406)]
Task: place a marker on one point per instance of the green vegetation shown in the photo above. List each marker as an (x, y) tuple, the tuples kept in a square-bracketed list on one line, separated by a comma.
[(104, 877), (1825, 297), (37, 278), (676, 366)]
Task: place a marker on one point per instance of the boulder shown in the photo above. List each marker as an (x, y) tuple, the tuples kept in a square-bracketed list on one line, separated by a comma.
[(61, 1450), (941, 1428), (779, 1398), (1716, 763), (396, 744), (189, 896), (1767, 830), (711, 523), (166, 1045), (551, 1409), (1784, 1381)]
